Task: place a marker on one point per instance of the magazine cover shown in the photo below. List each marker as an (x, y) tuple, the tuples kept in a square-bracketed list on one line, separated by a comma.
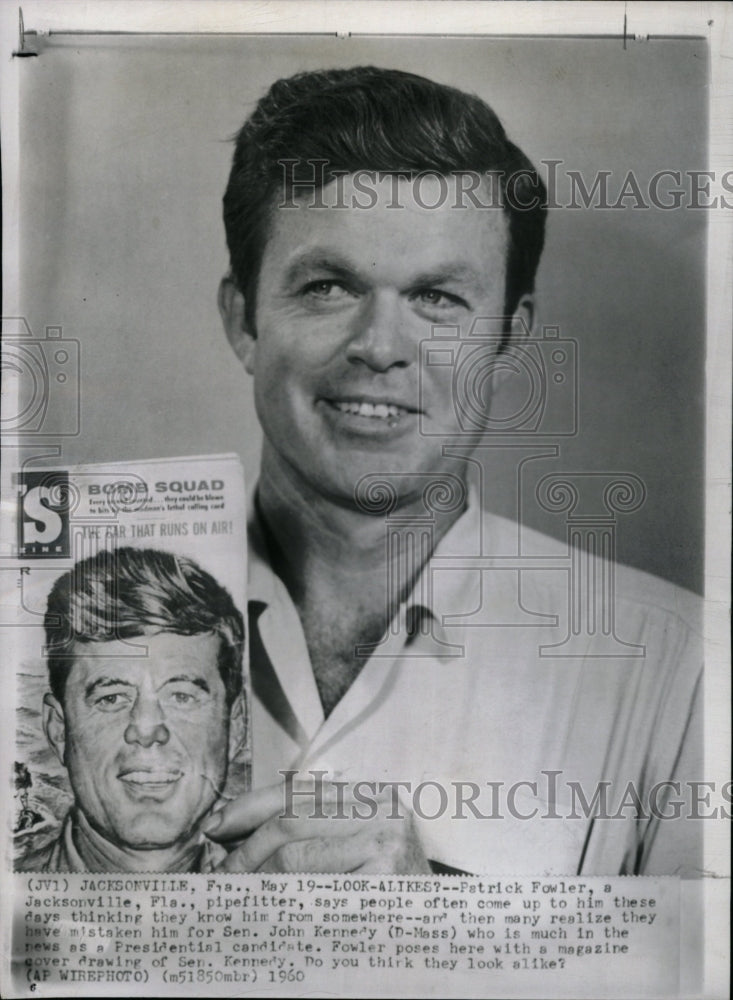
[(128, 646)]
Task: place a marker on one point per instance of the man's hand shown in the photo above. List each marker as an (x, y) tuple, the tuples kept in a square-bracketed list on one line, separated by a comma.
[(291, 835)]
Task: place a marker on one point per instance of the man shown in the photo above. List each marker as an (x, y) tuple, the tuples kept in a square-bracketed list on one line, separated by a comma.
[(366, 211), (144, 661)]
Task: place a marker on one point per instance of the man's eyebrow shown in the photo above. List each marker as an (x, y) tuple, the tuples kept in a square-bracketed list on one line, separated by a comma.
[(319, 260), (188, 678), (338, 265), (458, 272), (103, 682)]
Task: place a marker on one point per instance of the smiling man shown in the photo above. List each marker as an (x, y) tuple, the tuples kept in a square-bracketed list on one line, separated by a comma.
[(144, 660), (344, 297), (399, 642)]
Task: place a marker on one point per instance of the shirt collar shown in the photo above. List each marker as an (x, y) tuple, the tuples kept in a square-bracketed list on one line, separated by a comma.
[(437, 592), (290, 694)]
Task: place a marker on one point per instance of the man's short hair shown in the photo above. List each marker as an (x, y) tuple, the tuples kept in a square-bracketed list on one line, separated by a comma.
[(127, 593), (380, 120)]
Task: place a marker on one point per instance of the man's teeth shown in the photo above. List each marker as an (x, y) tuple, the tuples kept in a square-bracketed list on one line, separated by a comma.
[(380, 410), (151, 777)]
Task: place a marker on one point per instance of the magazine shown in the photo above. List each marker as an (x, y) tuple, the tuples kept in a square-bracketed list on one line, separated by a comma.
[(123, 568)]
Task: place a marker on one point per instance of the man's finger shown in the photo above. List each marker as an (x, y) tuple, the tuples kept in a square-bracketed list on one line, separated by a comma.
[(245, 813), (276, 832), (339, 855), (252, 809)]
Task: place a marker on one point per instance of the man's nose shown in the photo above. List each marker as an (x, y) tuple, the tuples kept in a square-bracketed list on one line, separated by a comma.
[(147, 723), (380, 339)]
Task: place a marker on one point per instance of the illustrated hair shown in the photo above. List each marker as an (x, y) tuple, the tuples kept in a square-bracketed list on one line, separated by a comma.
[(381, 120), (127, 593)]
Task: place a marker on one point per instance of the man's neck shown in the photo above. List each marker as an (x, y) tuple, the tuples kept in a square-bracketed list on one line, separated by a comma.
[(316, 539), (100, 855)]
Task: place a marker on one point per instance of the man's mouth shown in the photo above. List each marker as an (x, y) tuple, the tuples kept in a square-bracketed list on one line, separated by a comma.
[(150, 777), (375, 411)]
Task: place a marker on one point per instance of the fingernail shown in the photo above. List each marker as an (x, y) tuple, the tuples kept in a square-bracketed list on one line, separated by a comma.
[(212, 823)]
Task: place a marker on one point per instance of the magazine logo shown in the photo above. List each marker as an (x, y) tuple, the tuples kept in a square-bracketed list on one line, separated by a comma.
[(44, 502)]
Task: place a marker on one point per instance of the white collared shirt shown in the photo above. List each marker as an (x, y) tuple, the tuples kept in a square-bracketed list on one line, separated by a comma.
[(496, 687)]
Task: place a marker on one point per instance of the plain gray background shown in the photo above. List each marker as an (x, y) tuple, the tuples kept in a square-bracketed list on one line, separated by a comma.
[(124, 159)]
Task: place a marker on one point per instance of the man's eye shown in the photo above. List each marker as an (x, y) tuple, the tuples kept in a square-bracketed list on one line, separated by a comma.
[(326, 290), (182, 698), (111, 702), (434, 298)]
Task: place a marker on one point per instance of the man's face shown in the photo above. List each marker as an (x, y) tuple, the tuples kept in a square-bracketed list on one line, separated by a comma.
[(345, 296), (145, 736)]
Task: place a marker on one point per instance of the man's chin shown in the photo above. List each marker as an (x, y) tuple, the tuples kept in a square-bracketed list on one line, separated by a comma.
[(378, 486), (154, 830)]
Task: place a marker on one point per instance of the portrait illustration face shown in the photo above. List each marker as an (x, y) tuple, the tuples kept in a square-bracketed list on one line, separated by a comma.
[(344, 299), (144, 736)]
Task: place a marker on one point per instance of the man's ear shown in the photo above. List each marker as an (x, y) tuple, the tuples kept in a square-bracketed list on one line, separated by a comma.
[(522, 321), (234, 743), (232, 312), (54, 725), (523, 318)]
